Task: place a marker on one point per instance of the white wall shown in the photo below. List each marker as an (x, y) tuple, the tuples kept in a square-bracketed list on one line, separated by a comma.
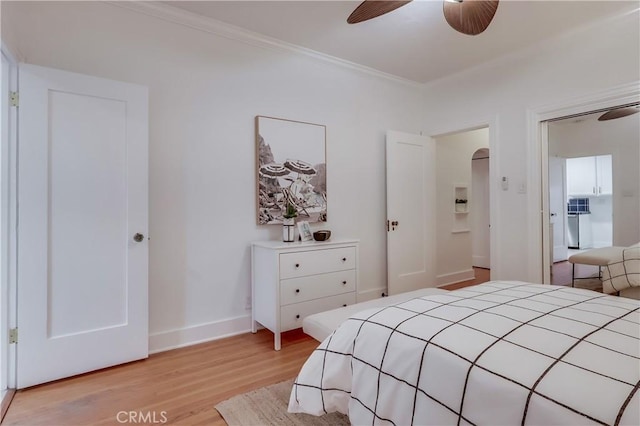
[(621, 139), (503, 92), (204, 93), (453, 167)]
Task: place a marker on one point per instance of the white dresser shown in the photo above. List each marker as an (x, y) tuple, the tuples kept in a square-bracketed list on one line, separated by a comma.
[(292, 280)]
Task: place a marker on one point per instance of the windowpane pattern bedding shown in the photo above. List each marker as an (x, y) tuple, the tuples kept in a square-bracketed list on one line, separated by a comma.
[(500, 353), (623, 272)]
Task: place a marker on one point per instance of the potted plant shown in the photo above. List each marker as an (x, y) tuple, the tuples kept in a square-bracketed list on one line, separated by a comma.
[(288, 222)]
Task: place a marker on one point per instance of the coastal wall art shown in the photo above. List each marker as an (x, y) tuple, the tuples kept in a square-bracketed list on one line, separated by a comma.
[(291, 170)]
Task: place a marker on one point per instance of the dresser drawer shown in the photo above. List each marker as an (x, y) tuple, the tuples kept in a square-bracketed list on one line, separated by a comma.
[(291, 316), (314, 262), (296, 290)]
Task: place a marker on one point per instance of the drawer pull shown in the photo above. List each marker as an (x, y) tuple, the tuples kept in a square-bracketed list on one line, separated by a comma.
[(297, 290), (297, 265), (298, 316), (344, 306), (344, 259), (344, 283)]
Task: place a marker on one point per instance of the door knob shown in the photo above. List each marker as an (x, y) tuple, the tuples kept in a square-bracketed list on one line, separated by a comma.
[(138, 237)]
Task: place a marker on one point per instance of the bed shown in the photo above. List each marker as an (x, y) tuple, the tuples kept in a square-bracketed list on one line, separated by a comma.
[(321, 325), (621, 274), (500, 353)]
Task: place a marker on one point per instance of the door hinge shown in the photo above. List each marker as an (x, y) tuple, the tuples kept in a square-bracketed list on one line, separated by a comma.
[(14, 99), (13, 335)]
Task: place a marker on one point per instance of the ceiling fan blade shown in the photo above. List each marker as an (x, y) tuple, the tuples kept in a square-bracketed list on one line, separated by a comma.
[(618, 113), (369, 9), (470, 17)]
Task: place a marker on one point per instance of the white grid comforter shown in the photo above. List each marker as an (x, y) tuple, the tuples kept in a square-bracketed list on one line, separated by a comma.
[(500, 353), (624, 272)]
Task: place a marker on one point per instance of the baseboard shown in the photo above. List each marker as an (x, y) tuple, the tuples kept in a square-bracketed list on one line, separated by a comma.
[(173, 339), (376, 293), (454, 277)]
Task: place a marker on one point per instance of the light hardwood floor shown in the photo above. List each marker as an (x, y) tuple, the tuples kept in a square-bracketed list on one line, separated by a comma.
[(184, 383)]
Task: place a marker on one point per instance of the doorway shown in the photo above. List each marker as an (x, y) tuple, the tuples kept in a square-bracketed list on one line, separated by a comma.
[(588, 166), (461, 205), (600, 102)]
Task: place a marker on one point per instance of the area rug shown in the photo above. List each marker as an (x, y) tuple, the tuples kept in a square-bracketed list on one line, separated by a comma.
[(268, 406)]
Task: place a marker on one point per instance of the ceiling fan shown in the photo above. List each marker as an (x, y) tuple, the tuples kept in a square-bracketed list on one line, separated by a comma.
[(469, 17), (612, 114)]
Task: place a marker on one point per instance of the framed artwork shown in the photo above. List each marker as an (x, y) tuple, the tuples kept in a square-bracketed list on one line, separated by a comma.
[(305, 231), (291, 170)]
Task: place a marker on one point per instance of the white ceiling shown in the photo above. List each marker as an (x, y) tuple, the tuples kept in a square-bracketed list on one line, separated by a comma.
[(413, 42)]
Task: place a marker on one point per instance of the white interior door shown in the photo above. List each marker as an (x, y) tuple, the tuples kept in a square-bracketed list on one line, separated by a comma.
[(480, 235), (558, 208), (83, 184), (410, 212)]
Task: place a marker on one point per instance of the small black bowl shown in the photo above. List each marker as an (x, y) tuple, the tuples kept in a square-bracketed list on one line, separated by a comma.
[(322, 235)]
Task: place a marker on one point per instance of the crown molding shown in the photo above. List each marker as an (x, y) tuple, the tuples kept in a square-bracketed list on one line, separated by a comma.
[(179, 16)]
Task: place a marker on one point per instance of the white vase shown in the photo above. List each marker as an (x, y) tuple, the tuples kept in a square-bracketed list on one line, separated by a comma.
[(288, 229)]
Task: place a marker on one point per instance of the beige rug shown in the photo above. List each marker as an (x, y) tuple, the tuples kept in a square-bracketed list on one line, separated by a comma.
[(268, 406)]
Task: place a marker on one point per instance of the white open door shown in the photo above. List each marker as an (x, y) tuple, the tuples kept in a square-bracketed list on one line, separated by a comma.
[(558, 209), (410, 212), (82, 224)]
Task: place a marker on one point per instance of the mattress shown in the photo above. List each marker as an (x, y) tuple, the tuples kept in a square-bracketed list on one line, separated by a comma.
[(322, 324), (499, 353)]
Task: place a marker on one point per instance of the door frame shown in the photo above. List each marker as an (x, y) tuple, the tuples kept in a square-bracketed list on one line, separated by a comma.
[(490, 123), (9, 208), (538, 154)]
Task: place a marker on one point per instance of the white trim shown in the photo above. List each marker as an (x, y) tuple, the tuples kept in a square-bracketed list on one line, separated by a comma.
[(178, 338), (455, 277), (9, 227), (538, 164), (213, 26)]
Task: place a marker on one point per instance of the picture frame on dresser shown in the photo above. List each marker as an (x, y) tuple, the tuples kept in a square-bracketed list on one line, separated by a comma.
[(304, 230), (290, 281)]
